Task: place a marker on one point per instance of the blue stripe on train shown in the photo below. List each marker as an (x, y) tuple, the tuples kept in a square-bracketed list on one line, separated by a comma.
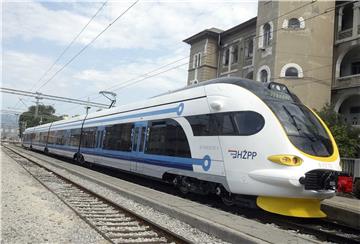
[(159, 160)]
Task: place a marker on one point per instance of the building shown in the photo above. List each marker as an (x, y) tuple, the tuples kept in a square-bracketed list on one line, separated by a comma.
[(311, 46), (345, 93)]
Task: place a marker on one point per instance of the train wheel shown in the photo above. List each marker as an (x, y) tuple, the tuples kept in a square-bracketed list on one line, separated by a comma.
[(79, 159), (228, 200), (357, 189)]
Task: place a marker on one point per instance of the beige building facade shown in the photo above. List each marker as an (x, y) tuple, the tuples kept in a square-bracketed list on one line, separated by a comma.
[(311, 46)]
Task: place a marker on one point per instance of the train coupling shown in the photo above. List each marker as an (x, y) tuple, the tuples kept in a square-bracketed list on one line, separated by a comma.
[(319, 179)]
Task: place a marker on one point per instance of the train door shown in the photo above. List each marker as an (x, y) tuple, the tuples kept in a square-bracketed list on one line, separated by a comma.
[(138, 145), (99, 137)]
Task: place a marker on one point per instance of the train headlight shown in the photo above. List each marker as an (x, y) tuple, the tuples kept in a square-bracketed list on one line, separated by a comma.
[(285, 159)]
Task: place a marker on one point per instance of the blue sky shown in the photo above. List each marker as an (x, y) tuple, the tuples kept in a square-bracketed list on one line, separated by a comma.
[(147, 37)]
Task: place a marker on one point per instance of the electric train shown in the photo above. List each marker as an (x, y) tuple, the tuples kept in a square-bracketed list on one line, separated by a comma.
[(251, 143)]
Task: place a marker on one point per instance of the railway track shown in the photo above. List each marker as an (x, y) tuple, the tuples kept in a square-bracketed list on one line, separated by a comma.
[(324, 230), (115, 223)]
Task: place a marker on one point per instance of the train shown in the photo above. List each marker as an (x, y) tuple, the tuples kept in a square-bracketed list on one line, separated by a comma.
[(253, 144)]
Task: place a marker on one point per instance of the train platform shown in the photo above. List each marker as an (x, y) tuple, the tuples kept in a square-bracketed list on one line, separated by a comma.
[(343, 209)]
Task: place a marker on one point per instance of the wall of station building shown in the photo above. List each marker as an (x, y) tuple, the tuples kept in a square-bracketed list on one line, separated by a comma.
[(308, 48)]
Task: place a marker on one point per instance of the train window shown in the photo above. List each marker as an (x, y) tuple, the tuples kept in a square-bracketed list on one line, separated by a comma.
[(212, 124), (226, 124), (60, 138), (43, 136), (167, 137), (37, 137), (88, 137), (51, 139), (248, 122), (303, 128), (74, 137), (200, 125), (118, 137)]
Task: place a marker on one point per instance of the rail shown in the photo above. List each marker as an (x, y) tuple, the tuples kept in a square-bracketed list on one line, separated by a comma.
[(115, 223)]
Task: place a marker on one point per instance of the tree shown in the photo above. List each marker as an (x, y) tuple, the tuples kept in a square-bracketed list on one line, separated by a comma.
[(346, 136), (46, 114)]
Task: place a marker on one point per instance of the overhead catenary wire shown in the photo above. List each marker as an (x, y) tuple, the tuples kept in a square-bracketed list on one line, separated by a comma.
[(66, 49), (135, 81), (187, 57), (87, 45), (258, 36)]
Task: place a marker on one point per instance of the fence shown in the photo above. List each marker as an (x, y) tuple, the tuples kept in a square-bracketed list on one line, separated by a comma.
[(351, 166)]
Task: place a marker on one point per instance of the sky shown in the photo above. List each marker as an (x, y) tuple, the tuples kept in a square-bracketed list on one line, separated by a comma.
[(148, 36)]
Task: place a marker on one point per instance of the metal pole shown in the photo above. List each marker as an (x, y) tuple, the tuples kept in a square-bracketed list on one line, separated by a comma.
[(36, 107)]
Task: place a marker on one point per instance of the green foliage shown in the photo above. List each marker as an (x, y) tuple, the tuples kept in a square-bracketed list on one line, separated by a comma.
[(346, 136), (46, 114)]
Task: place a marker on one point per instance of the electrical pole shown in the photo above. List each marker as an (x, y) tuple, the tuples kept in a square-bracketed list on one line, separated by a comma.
[(37, 105), (87, 107)]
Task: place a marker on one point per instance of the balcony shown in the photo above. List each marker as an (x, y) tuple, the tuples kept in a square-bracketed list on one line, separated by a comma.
[(248, 61), (347, 81), (344, 34)]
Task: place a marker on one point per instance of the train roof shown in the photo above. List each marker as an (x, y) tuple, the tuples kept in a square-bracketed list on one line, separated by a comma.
[(242, 82), (258, 88)]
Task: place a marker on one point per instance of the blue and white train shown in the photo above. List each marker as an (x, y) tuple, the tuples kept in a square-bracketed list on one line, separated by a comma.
[(246, 141)]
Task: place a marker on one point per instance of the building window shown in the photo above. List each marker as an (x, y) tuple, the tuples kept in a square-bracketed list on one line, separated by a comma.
[(267, 35), (355, 68), (291, 72), (263, 76), (250, 75), (347, 17), (294, 23), (234, 54), (197, 60), (226, 57), (355, 110), (249, 48)]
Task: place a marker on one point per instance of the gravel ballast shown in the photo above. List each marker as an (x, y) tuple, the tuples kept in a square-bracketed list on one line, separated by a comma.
[(182, 229), (32, 214)]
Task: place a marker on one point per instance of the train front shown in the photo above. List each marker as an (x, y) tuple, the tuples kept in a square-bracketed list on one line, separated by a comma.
[(297, 159)]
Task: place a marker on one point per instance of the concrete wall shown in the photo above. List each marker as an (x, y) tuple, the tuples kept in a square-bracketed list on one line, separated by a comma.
[(242, 67), (265, 56), (209, 60), (310, 47)]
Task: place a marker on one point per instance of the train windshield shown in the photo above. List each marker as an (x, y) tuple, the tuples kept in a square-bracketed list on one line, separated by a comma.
[(302, 127)]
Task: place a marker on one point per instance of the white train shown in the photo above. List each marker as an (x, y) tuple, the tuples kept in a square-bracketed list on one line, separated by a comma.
[(246, 141)]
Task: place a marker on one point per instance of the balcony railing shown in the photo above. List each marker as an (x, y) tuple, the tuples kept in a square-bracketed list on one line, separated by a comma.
[(351, 166), (347, 81), (344, 34), (248, 61)]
